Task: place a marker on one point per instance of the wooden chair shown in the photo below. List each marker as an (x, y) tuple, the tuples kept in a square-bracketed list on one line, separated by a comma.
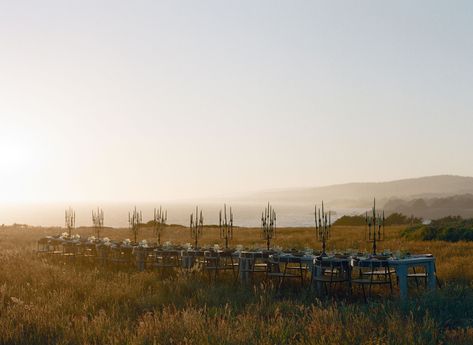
[(102, 254), (373, 272), (70, 251), (150, 257), (219, 261), (121, 256), (253, 263), (285, 267), (230, 261), (193, 259), (145, 257), (43, 246), (331, 272), (416, 275), (55, 248), (167, 260), (87, 252), (260, 261)]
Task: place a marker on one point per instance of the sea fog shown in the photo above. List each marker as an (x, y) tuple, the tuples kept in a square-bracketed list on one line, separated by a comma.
[(116, 214)]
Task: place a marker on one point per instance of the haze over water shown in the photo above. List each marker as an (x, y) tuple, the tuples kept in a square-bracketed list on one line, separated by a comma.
[(116, 214)]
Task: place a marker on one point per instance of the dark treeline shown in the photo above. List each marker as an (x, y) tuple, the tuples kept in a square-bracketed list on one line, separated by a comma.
[(452, 229), (392, 219)]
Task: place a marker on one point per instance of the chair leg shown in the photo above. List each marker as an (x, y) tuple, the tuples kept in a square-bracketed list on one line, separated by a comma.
[(236, 272), (311, 280), (415, 277), (302, 274), (371, 282), (364, 293), (281, 280)]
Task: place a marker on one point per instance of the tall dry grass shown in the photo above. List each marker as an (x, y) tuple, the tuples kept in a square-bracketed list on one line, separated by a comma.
[(55, 303)]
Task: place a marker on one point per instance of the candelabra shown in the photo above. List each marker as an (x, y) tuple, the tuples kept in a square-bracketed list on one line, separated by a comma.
[(134, 221), (268, 224), (323, 226), (160, 218), (196, 225), (70, 220), (374, 226), (226, 226), (97, 220)]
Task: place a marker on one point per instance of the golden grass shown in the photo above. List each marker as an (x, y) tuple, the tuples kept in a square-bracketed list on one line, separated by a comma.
[(43, 302), (451, 257)]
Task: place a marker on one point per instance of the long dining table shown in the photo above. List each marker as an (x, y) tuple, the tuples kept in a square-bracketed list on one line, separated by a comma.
[(401, 266), (249, 261)]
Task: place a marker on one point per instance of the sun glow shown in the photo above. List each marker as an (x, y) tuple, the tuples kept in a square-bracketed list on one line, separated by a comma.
[(15, 154), (17, 162)]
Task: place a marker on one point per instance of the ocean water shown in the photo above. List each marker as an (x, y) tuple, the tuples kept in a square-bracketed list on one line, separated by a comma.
[(116, 214)]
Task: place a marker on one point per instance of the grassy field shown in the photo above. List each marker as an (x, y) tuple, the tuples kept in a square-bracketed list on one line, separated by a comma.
[(51, 303)]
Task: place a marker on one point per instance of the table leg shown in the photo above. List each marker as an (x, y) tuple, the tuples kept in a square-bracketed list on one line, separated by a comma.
[(318, 272), (401, 271), (187, 262), (244, 268), (140, 261), (430, 269)]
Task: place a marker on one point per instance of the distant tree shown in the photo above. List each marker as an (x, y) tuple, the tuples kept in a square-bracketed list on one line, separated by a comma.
[(400, 219), (393, 219), (451, 229), (350, 221)]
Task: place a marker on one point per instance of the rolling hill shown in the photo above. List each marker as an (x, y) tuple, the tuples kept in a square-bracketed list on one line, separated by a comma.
[(433, 208), (362, 194)]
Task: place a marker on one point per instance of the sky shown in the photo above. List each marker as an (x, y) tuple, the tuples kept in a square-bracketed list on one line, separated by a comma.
[(163, 100)]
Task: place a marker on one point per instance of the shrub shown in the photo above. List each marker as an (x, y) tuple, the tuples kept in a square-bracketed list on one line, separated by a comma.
[(451, 229), (350, 221), (393, 219)]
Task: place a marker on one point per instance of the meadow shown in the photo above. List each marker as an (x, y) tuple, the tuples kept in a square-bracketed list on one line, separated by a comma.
[(44, 302)]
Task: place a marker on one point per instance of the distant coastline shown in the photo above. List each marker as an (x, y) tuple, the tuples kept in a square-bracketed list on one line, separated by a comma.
[(430, 197)]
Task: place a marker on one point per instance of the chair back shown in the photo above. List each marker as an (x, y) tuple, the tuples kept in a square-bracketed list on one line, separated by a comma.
[(373, 263)]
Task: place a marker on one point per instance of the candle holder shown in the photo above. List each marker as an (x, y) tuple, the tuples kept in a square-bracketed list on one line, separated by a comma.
[(226, 226), (97, 220), (268, 225), (70, 220), (134, 220), (323, 227), (374, 226), (160, 218), (196, 225)]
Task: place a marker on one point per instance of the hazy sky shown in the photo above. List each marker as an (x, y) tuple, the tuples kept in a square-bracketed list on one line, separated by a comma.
[(149, 100)]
